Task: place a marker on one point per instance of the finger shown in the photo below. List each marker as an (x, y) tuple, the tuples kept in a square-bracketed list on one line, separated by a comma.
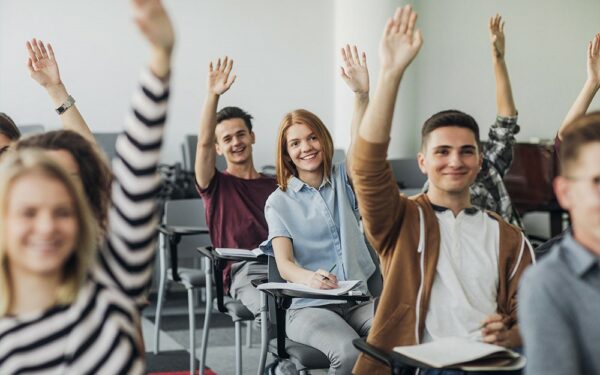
[(494, 326), (364, 59), (42, 49), (210, 67), (411, 24), (231, 81), (355, 57), (490, 339), (418, 39), (225, 62), (404, 20), (344, 56), (389, 27), (228, 67), (32, 54), (597, 45), (343, 73), (36, 49), (30, 65), (398, 19), (348, 53), (51, 52), (218, 67), (491, 24), (502, 27)]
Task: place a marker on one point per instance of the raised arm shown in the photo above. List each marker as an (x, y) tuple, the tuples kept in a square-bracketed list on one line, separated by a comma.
[(43, 68), (129, 253), (356, 75), (590, 87), (398, 46), (501, 137), (505, 104), (219, 81), (376, 191)]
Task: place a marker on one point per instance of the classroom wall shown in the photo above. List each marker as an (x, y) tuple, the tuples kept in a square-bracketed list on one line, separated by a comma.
[(287, 56), (282, 51)]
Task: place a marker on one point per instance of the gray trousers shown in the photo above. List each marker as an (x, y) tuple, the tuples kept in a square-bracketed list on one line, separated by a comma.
[(331, 329), (242, 273)]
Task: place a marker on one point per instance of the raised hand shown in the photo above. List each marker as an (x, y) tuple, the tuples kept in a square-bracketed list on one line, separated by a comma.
[(496, 28), (42, 64), (400, 42), (154, 22), (355, 72), (593, 60), (218, 76)]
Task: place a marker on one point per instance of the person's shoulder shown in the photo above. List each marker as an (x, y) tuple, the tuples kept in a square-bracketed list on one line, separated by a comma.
[(546, 272)]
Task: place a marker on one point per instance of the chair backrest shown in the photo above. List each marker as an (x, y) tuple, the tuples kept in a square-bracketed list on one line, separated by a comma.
[(187, 212), (31, 129), (339, 155), (189, 154), (108, 143), (407, 173)]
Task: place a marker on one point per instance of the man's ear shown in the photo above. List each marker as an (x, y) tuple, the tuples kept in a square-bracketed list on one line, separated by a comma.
[(562, 191), (218, 149), (252, 137), (422, 162), (480, 160)]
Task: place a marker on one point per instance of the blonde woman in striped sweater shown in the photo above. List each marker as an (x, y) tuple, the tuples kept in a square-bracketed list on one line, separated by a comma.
[(65, 306)]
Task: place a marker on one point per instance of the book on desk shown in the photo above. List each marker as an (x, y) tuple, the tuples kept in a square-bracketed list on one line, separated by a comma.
[(239, 253), (463, 354), (344, 287)]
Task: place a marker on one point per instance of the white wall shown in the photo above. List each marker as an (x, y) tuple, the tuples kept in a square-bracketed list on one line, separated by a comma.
[(287, 56), (282, 52)]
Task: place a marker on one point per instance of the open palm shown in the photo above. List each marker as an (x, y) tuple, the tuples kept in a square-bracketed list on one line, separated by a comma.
[(400, 42), (496, 27), (42, 64), (218, 76), (355, 72)]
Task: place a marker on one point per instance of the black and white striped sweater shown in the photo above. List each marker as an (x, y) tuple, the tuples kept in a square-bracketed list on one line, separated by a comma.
[(97, 333)]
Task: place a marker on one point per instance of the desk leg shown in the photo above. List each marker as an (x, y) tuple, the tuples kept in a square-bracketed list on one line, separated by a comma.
[(208, 270), (264, 335)]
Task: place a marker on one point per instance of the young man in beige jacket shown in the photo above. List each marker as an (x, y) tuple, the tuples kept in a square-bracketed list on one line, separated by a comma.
[(449, 268)]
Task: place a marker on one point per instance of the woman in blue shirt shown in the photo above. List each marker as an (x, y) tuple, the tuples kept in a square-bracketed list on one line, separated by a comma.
[(314, 227)]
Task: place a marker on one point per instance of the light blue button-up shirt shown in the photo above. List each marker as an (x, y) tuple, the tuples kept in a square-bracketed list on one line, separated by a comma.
[(323, 225)]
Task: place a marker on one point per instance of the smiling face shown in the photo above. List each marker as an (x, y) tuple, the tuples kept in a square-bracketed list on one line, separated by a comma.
[(234, 141), (40, 225), (304, 150), (451, 159)]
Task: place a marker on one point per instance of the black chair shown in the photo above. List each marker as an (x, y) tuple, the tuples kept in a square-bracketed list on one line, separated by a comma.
[(225, 304), (304, 357), (183, 220)]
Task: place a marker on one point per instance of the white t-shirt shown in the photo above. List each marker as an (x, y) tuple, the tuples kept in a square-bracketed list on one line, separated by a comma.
[(466, 283)]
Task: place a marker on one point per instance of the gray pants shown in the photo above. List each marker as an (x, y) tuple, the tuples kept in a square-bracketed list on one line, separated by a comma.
[(331, 329), (242, 273)]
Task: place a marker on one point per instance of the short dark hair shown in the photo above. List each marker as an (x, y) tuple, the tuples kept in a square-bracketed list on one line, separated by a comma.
[(583, 131), (8, 127), (96, 176), (229, 113), (451, 117)]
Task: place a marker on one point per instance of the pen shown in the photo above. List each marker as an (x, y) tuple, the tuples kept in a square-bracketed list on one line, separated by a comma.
[(330, 270)]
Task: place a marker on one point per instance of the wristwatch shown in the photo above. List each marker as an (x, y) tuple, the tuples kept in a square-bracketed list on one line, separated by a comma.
[(66, 105)]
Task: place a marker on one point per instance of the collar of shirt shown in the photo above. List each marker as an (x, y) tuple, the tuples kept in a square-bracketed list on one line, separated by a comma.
[(580, 259), (297, 184), (469, 210)]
